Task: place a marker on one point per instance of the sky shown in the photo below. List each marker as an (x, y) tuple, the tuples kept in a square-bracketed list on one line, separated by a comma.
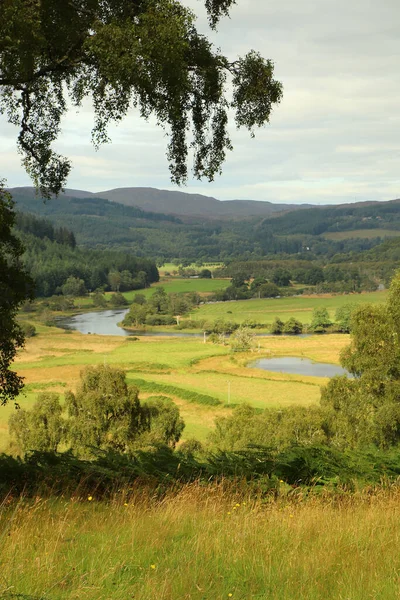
[(333, 139)]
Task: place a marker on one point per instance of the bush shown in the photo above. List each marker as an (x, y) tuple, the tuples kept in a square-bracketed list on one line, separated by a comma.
[(41, 428), (118, 300), (274, 428), (292, 327), (242, 339), (277, 326), (160, 320), (28, 329), (104, 413)]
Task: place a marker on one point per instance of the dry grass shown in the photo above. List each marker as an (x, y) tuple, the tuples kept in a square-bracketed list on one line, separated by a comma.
[(203, 543)]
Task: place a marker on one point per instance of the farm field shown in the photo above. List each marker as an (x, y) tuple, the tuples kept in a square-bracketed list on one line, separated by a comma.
[(171, 286), (178, 286), (184, 369), (265, 310)]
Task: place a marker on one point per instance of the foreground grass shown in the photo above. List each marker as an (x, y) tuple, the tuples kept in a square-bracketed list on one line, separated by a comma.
[(202, 544)]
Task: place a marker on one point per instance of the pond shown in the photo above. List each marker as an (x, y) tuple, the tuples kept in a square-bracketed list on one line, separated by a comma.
[(298, 366)]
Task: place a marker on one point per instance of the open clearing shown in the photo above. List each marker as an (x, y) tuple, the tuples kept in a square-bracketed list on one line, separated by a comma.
[(361, 233)]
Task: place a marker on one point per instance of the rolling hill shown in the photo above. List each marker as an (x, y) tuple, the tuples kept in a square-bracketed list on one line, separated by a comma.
[(177, 203)]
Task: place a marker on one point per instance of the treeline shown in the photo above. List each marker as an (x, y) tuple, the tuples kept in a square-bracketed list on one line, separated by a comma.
[(58, 266), (264, 278), (41, 228), (316, 221)]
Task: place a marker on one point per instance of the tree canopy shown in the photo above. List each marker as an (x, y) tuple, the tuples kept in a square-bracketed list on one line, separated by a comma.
[(15, 288), (145, 54), (366, 410)]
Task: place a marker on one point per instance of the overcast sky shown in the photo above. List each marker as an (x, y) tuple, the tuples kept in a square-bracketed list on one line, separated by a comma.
[(334, 138)]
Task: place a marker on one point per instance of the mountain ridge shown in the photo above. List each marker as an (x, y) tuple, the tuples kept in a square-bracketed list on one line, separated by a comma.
[(179, 203)]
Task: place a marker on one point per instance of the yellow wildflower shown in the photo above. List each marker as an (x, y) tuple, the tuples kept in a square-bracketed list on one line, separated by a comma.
[(152, 566), (90, 498)]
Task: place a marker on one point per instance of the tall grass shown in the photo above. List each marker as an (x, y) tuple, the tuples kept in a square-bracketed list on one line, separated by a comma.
[(202, 544)]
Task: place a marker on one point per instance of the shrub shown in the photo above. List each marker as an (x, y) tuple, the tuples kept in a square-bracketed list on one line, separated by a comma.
[(117, 300), (277, 326), (293, 327), (41, 428), (28, 329)]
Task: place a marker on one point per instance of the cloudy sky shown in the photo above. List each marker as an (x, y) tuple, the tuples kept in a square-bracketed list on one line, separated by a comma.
[(334, 138)]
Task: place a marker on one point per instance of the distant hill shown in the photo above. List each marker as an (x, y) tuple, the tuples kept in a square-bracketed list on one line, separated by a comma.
[(319, 220), (180, 204), (180, 234)]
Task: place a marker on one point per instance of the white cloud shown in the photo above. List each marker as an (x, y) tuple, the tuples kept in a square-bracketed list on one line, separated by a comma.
[(333, 139)]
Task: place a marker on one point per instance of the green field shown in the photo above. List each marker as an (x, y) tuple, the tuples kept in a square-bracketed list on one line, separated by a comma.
[(266, 309), (171, 267), (361, 233), (180, 286)]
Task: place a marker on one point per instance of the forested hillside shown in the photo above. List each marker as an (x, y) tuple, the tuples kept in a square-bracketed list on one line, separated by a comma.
[(58, 266), (317, 221), (99, 223)]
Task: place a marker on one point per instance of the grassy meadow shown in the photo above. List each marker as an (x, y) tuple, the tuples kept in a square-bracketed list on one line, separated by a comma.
[(202, 543), (264, 310)]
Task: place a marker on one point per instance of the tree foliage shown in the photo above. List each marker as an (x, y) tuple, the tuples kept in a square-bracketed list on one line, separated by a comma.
[(123, 53), (41, 428), (275, 429), (366, 410), (15, 288), (104, 412)]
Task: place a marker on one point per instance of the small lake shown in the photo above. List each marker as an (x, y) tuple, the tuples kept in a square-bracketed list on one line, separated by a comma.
[(298, 366)]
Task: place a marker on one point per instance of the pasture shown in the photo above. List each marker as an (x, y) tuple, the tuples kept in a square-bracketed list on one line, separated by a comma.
[(180, 286), (264, 310)]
